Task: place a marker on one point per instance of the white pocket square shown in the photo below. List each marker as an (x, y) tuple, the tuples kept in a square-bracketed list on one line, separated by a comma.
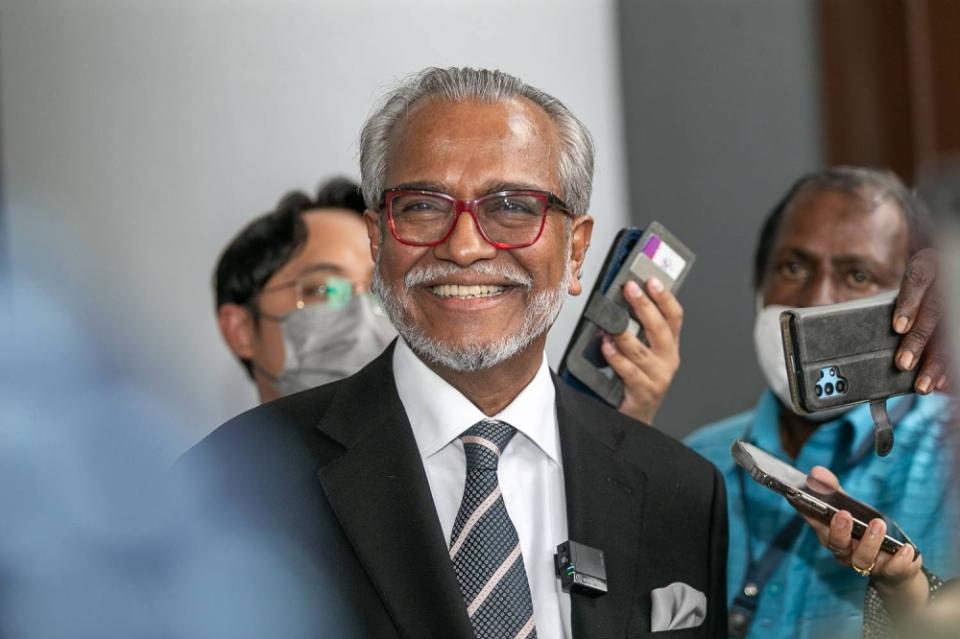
[(677, 606)]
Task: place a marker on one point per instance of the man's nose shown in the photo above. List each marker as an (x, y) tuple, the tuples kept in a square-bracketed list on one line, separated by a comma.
[(821, 292), (466, 244)]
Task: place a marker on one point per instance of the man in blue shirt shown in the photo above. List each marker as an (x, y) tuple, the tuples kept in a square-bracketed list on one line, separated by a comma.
[(838, 234)]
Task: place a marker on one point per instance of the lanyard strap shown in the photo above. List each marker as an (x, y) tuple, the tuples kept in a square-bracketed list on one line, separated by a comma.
[(758, 573), (760, 570)]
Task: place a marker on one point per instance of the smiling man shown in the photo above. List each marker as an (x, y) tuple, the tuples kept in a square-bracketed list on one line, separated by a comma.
[(438, 481)]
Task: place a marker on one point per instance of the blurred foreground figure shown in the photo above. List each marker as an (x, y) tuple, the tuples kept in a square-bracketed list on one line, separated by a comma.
[(839, 234), (932, 612), (439, 480), (293, 293), (96, 540)]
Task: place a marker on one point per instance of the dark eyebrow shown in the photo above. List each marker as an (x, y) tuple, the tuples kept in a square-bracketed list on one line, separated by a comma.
[(496, 187), (436, 187), (856, 260), (794, 252), (843, 260)]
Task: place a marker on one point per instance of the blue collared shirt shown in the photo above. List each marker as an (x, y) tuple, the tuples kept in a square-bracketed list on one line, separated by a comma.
[(811, 594)]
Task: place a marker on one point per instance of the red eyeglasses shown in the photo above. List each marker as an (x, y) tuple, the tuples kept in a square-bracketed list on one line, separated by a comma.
[(506, 220)]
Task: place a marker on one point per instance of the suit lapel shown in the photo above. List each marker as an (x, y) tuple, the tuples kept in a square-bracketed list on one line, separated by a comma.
[(605, 496), (380, 495)]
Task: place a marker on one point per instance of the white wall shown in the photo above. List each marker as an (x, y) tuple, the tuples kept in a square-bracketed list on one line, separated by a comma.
[(139, 136)]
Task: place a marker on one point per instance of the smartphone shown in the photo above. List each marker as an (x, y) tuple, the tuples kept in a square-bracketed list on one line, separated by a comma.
[(783, 478), (636, 255), (843, 354)]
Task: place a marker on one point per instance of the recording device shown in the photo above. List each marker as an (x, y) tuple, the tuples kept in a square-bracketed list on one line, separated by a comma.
[(843, 354), (783, 478), (635, 255), (581, 569)]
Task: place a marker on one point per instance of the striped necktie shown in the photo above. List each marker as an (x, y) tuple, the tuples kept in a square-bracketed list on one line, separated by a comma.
[(484, 546)]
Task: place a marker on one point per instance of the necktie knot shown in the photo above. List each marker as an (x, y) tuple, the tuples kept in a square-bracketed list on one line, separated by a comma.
[(483, 443)]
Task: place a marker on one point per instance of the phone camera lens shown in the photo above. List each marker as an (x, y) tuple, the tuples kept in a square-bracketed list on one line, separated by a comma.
[(821, 374), (828, 388), (833, 372), (841, 386), (819, 390)]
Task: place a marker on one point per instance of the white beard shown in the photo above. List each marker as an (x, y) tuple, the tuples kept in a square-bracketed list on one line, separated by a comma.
[(470, 357)]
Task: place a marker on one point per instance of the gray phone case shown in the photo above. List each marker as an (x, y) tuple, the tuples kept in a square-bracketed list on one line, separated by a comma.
[(608, 311), (842, 354)]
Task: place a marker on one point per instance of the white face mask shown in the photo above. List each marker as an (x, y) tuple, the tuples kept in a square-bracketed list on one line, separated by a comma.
[(769, 347), (323, 343)]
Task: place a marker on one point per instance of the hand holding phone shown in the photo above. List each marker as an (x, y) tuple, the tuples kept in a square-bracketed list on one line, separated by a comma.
[(817, 500), (854, 532), (898, 577), (635, 256), (646, 368)]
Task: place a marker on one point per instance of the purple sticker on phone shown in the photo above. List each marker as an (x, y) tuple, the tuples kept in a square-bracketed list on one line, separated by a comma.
[(661, 254), (650, 248)]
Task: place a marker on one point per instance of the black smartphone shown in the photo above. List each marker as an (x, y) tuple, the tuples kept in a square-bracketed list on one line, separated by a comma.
[(842, 354), (783, 478)]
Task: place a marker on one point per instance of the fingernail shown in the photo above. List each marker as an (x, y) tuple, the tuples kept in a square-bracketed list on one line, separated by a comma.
[(905, 360), (608, 346), (901, 323), (875, 528), (941, 382), (923, 384), (632, 289), (655, 285), (843, 522)]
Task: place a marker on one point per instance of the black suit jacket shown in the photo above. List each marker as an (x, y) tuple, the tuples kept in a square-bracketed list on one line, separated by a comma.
[(335, 473)]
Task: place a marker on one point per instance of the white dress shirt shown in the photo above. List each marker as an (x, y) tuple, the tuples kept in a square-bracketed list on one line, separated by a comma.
[(530, 471)]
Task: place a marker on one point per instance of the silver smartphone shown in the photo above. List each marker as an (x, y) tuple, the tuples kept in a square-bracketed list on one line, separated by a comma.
[(783, 478)]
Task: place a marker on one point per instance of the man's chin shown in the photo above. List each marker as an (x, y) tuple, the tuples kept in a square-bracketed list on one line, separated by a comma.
[(467, 355)]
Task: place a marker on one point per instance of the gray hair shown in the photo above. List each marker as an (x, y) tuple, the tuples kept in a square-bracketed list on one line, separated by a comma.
[(575, 165)]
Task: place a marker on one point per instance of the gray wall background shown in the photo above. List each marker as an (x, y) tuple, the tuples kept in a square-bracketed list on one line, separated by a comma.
[(721, 115)]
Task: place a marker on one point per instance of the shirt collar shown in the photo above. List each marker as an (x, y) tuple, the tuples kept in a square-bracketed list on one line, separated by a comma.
[(766, 427), (439, 413)]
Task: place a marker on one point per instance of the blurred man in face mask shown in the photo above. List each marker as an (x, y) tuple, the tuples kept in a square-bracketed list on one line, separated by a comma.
[(293, 293), (839, 234)]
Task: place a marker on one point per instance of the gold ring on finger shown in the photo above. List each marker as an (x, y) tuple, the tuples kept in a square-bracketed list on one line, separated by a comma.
[(863, 572)]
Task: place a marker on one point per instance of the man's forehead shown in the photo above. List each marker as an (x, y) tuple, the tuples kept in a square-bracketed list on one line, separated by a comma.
[(465, 146), (842, 223), (436, 116)]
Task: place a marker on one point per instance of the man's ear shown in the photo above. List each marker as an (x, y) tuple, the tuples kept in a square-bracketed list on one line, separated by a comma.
[(236, 327), (580, 240), (372, 218)]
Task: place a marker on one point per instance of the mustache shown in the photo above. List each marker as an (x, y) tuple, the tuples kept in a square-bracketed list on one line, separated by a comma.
[(420, 275)]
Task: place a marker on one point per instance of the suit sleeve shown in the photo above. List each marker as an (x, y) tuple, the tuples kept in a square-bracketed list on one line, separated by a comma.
[(717, 597)]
